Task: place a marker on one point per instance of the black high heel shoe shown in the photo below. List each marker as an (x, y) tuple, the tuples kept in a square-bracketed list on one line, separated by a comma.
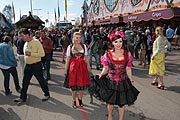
[(161, 86), (154, 83), (74, 104), (80, 103)]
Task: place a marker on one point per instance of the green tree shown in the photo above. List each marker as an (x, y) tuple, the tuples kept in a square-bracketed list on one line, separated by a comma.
[(8, 13)]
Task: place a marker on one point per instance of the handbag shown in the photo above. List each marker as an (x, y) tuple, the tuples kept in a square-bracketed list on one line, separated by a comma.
[(66, 81)]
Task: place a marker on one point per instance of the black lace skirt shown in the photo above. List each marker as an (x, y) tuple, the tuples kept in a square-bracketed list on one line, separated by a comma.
[(108, 91)]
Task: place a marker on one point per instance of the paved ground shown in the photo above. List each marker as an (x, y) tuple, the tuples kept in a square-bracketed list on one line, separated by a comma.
[(152, 104)]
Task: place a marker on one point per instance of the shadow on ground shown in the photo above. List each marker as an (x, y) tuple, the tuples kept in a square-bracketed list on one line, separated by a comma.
[(97, 114), (174, 89), (8, 114)]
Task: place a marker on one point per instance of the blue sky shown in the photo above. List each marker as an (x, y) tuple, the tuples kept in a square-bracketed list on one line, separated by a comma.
[(47, 8)]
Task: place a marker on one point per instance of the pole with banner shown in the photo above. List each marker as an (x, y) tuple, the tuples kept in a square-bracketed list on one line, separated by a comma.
[(13, 11), (55, 17), (65, 6), (58, 12), (31, 7)]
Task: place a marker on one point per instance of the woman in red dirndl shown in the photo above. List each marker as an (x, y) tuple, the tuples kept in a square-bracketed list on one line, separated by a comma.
[(77, 67)]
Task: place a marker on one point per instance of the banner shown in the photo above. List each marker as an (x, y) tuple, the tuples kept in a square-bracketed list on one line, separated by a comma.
[(58, 12), (55, 17)]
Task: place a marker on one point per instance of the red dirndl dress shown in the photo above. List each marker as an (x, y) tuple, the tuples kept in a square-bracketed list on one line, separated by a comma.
[(78, 73)]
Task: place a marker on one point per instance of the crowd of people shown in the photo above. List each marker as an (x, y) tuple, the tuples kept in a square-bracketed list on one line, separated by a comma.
[(113, 49)]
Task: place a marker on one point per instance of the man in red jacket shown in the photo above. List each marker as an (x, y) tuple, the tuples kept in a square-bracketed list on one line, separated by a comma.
[(48, 47)]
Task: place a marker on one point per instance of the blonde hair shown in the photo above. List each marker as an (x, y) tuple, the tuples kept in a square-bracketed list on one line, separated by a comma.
[(75, 33), (159, 31)]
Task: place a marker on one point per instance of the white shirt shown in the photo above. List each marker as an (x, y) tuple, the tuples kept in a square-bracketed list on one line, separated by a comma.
[(68, 53)]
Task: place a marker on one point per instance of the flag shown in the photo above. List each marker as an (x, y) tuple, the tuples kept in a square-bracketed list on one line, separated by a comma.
[(58, 12), (13, 12), (65, 6), (55, 17)]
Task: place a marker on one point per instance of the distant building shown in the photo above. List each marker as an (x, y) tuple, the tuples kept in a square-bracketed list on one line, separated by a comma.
[(31, 21)]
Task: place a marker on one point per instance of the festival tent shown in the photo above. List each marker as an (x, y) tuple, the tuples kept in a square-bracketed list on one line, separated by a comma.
[(31, 21), (102, 12)]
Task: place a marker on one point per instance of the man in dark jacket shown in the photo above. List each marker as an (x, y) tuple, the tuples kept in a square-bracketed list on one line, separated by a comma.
[(93, 50)]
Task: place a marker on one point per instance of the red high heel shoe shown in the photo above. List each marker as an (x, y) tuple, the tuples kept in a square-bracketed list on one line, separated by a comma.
[(154, 83), (161, 86)]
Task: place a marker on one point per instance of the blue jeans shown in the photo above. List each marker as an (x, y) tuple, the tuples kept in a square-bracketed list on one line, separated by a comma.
[(6, 74), (96, 56), (36, 70)]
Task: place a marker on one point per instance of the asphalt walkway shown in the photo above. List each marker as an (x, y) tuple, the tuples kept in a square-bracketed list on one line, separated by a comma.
[(152, 103)]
